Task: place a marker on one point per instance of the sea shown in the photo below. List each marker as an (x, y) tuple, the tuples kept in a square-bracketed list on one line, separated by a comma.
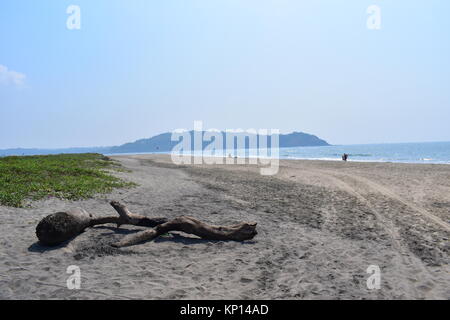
[(424, 152)]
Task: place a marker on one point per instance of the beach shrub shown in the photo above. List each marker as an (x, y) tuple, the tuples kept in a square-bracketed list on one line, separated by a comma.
[(66, 176)]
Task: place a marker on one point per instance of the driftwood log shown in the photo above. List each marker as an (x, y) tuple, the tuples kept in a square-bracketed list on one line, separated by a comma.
[(61, 226)]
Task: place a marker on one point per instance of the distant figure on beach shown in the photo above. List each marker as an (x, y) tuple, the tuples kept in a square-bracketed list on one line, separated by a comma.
[(344, 157)]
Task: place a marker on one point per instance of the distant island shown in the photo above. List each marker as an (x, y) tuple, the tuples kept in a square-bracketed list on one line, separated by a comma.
[(163, 143)]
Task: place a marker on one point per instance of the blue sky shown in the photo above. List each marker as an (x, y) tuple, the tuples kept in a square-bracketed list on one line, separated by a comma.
[(138, 68)]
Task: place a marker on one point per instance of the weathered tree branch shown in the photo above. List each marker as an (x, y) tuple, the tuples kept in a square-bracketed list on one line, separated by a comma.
[(239, 232), (126, 217)]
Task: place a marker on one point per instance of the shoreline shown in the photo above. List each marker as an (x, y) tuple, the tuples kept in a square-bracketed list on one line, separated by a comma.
[(424, 162)]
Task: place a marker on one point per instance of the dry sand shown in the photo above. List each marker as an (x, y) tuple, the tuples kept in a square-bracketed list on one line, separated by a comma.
[(320, 225)]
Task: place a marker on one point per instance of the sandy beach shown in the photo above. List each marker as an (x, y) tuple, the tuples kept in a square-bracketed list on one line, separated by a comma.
[(321, 224)]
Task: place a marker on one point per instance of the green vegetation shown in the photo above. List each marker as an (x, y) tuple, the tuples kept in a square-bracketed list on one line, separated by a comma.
[(68, 176)]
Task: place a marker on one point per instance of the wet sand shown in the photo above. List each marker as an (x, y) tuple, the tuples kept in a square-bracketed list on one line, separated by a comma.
[(320, 225)]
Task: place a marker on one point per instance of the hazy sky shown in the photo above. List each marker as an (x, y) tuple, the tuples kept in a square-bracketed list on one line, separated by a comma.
[(137, 68)]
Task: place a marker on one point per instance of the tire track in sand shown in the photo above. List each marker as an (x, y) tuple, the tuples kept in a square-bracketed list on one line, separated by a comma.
[(409, 260), (390, 194)]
